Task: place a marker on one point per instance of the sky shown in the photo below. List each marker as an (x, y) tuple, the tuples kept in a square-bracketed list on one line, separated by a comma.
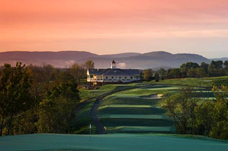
[(115, 26)]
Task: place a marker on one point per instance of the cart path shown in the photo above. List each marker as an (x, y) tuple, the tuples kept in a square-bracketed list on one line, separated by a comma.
[(93, 115), (97, 123)]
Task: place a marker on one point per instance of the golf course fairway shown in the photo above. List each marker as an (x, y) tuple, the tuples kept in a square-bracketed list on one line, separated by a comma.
[(131, 142)]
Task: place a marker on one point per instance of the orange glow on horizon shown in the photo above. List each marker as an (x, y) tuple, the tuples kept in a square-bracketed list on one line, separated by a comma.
[(104, 26)]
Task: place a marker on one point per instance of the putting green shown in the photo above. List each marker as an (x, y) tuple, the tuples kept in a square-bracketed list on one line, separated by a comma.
[(113, 142)]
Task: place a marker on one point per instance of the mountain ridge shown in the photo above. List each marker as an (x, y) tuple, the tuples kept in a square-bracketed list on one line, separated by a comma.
[(66, 58)]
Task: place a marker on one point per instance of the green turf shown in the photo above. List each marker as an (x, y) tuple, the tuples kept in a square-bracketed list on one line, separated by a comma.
[(136, 108), (147, 100), (115, 110), (140, 129), (88, 94), (136, 122), (83, 119), (126, 106), (197, 82), (133, 116), (112, 142)]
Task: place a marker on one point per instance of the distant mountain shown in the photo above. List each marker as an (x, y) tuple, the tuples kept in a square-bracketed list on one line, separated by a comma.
[(223, 59), (61, 55), (151, 60), (64, 59), (59, 59)]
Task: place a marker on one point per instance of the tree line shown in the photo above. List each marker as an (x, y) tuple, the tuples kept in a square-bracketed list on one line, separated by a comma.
[(39, 99), (193, 116), (189, 70)]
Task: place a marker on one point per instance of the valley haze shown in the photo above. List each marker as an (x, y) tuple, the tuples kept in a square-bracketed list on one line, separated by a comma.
[(64, 59)]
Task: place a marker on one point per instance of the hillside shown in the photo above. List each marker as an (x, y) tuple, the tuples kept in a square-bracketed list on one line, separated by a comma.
[(124, 60)]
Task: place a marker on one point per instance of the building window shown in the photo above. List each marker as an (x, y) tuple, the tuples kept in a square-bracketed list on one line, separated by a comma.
[(125, 77), (106, 77), (131, 77), (119, 77), (112, 77)]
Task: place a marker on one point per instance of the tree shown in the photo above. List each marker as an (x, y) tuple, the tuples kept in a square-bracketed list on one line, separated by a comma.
[(78, 72), (204, 114), (147, 74), (220, 115), (57, 109), (200, 72), (162, 73), (216, 64), (89, 64), (156, 76), (174, 73), (181, 108), (204, 66), (15, 95), (226, 64), (191, 73)]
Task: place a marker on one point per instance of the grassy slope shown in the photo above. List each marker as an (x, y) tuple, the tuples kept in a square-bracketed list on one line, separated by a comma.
[(82, 118), (88, 94), (197, 82), (133, 142), (135, 95), (135, 110)]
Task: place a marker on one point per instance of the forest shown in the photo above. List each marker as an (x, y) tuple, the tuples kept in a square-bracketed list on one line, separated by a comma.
[(39, 99)]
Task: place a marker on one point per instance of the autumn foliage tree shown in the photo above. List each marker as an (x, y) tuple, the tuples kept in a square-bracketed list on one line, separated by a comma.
[(15, 97)]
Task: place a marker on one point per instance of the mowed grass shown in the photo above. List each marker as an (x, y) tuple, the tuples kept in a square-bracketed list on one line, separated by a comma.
[(88, 94), (131, 111), (113, 142), (133, 116), (82, 120), (140, 129), (140, 111), (130, 101), (197, 82), (133, 122), (82, 116)]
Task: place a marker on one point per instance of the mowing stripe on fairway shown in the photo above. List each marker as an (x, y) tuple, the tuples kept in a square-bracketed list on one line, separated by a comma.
[(133, 116), (145, 128), (141, 129), (126, 106), (166, 88)]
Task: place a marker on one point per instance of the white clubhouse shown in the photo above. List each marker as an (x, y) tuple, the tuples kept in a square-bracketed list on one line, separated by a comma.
[(112, 75)]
